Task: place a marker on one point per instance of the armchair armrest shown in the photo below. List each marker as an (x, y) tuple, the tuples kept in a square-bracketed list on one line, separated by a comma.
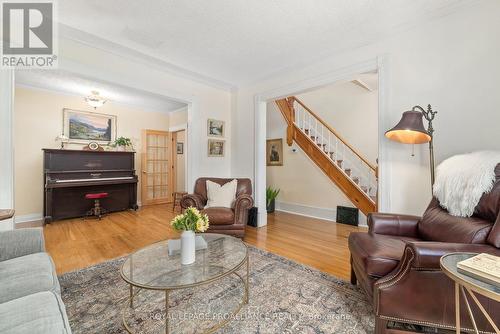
[(241, 206), (427, 253), (21, 242), (193, 200), (393, 224)]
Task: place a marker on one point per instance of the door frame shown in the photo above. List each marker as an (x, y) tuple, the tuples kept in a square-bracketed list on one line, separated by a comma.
[(7, 145), (381, 65), (174, 156), (171, 167)]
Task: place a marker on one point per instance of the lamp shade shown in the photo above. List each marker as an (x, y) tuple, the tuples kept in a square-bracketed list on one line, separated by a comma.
[(410, 129)]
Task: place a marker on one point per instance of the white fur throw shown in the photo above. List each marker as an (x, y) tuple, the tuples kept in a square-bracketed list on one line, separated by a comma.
[(462, 179)]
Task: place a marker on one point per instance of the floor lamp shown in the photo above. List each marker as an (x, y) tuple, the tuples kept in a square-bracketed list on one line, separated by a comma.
[(411, 130)]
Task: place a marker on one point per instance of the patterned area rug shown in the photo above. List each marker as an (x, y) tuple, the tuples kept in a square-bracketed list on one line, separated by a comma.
[(285, 297)]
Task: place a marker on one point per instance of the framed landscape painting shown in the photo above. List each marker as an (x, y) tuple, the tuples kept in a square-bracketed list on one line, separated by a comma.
[(216, 128), (216, 148), (85, 127)]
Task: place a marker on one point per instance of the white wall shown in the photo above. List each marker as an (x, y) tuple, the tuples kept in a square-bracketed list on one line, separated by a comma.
[(304, 188), (38, 120), (350, 110), (178, 119), (451, 62), (206, 101)]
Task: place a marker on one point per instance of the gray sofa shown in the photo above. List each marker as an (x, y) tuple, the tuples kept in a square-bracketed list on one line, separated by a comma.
[(30, 296)]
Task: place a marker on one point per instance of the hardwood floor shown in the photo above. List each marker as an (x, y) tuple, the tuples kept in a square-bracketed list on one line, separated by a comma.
[(79, 243), (314, 242)]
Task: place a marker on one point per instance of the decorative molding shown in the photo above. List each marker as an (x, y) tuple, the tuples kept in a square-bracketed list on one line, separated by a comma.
[(362, 84), (329, 214), (260, 160), (384, 157), (66, 93), (178, 127), (29, 218), (102, 44)]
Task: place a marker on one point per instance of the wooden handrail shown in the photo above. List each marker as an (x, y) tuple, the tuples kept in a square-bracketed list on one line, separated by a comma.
[(374, 168)]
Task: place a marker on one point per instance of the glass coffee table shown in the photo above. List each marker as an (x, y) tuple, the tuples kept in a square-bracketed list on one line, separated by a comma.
[(151, 268), (473, 286)]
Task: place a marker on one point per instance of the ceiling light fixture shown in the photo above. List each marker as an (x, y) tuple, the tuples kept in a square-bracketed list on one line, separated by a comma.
[(95, 100)]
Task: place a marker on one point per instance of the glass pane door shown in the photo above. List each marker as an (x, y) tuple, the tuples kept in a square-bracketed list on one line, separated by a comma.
[(157, 173)]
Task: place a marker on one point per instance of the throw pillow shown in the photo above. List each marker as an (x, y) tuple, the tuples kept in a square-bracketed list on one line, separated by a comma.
[(221, 196)]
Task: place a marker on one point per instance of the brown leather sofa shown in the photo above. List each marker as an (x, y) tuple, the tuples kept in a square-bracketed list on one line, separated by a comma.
[(397, 264), (230, 221)]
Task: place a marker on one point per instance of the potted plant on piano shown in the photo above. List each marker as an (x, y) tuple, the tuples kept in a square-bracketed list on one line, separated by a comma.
[(123, 144)]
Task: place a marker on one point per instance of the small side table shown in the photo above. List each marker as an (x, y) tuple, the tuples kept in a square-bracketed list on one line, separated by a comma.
[(177, 199), (464, 283)]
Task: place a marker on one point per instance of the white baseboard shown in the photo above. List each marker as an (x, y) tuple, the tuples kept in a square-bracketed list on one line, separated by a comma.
[(329, 214), (32, 217)]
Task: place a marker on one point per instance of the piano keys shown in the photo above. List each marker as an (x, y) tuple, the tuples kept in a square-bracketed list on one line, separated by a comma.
[(70, 174)]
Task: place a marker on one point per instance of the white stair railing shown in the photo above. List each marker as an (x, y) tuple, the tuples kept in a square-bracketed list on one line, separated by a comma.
[(361, 172)]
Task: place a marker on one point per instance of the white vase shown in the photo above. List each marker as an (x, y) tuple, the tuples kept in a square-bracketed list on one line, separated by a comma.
[(188, 247)]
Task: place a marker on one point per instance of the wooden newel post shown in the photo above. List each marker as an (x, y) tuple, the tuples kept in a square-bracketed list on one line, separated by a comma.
[(290, 121)]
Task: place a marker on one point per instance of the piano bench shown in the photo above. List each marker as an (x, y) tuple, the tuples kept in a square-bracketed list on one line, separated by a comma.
[(96, 195), (97, 210)]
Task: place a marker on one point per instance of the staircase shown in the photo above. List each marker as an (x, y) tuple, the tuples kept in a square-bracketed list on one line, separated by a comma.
[(352, 173)]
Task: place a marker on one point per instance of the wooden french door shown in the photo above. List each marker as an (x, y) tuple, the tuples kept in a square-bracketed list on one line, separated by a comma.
[(157, 167)]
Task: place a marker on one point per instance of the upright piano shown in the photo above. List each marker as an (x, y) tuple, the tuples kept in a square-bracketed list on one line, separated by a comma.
[(70, 174)]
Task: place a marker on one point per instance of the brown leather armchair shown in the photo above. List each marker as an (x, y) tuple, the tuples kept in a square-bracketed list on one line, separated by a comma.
[(230, 221), (397, 264)]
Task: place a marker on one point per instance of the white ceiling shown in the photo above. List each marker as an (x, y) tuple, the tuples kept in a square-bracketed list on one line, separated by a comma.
[(68, 83), (241, 41)]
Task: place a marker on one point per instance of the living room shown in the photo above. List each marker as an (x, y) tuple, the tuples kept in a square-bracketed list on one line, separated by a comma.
[(101, 270)]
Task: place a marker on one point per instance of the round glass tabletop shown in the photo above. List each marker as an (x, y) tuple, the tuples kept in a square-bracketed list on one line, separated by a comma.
[(152, 267), (449, 266)]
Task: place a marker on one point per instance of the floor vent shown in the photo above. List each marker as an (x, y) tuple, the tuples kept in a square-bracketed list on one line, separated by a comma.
[(347, 215)]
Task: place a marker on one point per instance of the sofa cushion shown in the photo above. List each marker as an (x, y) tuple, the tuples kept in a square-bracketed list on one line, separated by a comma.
[(27, 274), (489, 204), (219, 215), (41, 313), (377, 254), (438, 225)]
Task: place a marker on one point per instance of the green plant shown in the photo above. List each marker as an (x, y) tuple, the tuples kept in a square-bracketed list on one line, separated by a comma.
[(190, 220), (122, 141), (271, 194)]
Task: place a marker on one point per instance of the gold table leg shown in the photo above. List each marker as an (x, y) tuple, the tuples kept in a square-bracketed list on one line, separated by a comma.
[(457, 307), (166, 311), (471, 316), (131, 296), (247, 286), (486, 315)]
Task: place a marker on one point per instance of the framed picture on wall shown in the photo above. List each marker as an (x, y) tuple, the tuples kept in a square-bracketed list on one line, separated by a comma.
[(180, 148), (274, 152), (216, 147), (85, 127), (216, 128)]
